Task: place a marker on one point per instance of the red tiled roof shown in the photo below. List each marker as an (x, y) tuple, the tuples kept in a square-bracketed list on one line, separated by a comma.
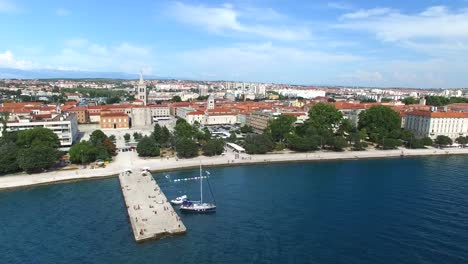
[(113, 114), (439, 114)]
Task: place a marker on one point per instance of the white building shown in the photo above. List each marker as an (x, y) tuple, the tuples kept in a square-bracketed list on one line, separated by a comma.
[(220, 119), (433, 124), (64, 125), (211, 102), (160, 111), (203, 90)]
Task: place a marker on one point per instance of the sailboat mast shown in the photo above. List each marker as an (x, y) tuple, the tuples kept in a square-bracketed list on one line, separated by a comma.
[(201, 186)]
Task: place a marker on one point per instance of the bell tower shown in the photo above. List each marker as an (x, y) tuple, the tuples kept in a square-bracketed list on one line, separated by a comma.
[(141, 89)]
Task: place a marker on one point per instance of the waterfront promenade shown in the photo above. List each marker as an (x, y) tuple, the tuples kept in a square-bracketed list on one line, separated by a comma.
[(127, 160), (150, 213)]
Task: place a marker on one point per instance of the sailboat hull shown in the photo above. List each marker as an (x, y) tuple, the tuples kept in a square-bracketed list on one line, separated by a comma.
[(198, 208)]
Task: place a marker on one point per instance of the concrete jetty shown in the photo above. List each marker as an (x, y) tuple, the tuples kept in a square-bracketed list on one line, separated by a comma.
[(150, 212)]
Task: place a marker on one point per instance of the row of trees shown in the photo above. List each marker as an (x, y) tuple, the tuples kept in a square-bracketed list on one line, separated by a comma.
[(327, 129), (187, 140), (99, 147), (436, 100)]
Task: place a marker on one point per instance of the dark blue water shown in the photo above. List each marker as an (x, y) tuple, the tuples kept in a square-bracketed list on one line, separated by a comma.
[(368, 211)]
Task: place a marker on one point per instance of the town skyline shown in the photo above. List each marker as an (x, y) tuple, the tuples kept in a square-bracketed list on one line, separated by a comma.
[(357, 43)]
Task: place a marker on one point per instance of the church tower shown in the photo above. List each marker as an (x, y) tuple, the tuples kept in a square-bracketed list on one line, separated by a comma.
[(141, 89)]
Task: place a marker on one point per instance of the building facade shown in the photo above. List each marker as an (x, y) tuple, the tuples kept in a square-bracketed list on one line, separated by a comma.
[(433, 124), (65, 126), (259, 121), (114, 120)]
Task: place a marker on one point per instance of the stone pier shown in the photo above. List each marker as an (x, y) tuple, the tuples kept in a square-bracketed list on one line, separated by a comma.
[(150, 212)]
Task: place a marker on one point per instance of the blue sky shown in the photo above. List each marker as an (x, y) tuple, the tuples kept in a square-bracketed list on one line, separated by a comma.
[(374, 43)]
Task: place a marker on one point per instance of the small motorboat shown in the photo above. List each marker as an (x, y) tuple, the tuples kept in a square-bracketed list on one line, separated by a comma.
[(179, 200)]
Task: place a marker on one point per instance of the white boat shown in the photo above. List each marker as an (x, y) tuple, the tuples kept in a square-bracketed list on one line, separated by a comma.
[(179, 200), (198, 206)]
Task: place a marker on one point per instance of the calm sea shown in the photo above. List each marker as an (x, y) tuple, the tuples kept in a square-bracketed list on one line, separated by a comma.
[(411, 210)]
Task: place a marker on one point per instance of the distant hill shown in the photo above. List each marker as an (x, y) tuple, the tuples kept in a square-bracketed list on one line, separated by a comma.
[(9, 73)]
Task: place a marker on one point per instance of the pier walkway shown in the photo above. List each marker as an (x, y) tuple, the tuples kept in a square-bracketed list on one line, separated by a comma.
[(150, 213)]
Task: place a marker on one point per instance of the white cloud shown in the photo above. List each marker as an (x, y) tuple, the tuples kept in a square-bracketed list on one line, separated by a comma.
[(83, 54), (7, 6), (366, 13), (226, 19), (426, 73), (434, 23), (340, 6), (8, 60), (264, 61), (62, 12)]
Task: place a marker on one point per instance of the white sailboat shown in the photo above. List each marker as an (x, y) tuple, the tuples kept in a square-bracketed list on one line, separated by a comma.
[(198, 206)]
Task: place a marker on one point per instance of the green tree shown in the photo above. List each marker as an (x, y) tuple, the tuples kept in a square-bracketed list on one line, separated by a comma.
[(368, 100), (443, 140), (232, 138), (37, 136), (437, 100), (112, 138), (346, 127), (4, 116), (176, 99), (409, 101), (280, 127), (246, 129), (213, 147), (97, 137), (303, 144), (186, 148), (427, 141), (8, 153), (37, 158), (324, 118), (338, 143), (258, 144), (184, 130), (380, 122), (462, 140), (165, 136), (83, 152), (105, 148), (113, 100), (157, 133), (137, 136), (416, 144), (127, 137), (390, 143), (147, 147)]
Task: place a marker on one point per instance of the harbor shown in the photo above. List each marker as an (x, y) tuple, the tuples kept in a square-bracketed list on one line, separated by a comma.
[(150, 213)]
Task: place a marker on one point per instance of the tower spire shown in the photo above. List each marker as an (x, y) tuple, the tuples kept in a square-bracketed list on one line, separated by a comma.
[(141, 77)]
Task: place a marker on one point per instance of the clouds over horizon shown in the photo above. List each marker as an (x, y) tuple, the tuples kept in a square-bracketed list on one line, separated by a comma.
[(347, 44), (227, 19)]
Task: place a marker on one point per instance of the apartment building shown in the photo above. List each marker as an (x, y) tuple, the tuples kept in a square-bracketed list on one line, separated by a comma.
[(64, 125), (433, 124)]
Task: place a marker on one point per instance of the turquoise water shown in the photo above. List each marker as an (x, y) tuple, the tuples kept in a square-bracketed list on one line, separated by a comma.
[(368, 211)]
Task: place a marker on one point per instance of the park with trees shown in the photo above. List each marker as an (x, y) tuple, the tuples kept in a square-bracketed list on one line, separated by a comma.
[(327, 129), (32, 151)]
